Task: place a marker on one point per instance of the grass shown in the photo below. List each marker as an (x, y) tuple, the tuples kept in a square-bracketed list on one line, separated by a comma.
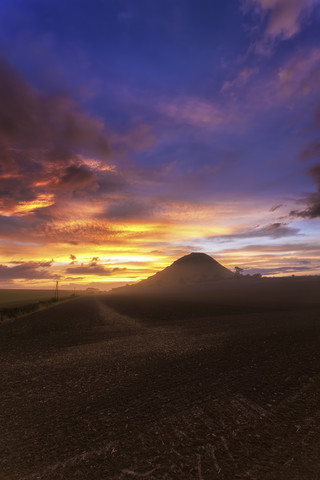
[(15, 303)]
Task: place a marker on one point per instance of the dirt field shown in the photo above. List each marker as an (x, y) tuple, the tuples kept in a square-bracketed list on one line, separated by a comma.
[(160, 392)]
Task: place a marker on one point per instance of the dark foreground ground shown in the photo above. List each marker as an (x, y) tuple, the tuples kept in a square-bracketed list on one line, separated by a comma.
[(160, 392)]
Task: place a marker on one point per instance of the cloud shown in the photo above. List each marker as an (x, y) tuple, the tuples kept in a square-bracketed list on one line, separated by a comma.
[(77, 177), (286, 86), (28, 270), (296, 248), (55, 169), (30, 120), (129, 209), (241, 79), (73, 259), (16, 228), (93, 268), (301, 74), (312, 201), (313, 150), (273, 230), (44, 143), (315, 173), (284, 18), (196, 112), (276, 207), (313, 208), (279, 270)]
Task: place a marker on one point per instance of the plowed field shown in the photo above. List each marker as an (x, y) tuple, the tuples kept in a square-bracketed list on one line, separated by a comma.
[(90, 393)]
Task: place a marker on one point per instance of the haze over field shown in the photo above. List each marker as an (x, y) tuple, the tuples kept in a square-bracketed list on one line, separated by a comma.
[(133, 133), (119, 387)]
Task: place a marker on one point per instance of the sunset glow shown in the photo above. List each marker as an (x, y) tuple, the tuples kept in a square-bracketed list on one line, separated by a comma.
[(151, 130)]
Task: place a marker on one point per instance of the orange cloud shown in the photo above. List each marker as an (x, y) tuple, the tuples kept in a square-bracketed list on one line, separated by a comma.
[(25, 208)]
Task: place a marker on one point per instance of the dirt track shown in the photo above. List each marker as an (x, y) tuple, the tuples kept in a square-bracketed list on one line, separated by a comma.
[(88, 393)]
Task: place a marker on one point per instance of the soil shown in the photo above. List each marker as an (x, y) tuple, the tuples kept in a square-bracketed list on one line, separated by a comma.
[(104, 388)]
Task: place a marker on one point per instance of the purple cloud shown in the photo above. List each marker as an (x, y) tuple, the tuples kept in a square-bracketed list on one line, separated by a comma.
[(284, 17), (27, 270), (312, 201), (93, 268), (129, 209), (273, 230), (44, 142)]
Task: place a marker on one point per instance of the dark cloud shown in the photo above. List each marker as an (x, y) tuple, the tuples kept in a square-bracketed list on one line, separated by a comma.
[(73, 258), (129, 209), (93, 268), (9, 226), (312, 201), (315, 173), (110, 182), (77, 177), (29, 119), (44, 143), (15, 189), (27, 270), (312, 151), (45, 264), (276, 207), (38, 264), (312, 210), (277, 270), (273, 230)]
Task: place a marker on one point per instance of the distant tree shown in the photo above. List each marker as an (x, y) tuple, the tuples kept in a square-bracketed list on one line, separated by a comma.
[(239, 271), (257, 276)]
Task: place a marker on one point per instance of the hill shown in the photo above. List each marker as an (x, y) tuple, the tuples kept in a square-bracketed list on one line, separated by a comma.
[(200, 279), (192, 270)]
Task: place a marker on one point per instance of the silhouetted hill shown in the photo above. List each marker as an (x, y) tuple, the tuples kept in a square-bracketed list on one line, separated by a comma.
[(200, 279), (191, 270)]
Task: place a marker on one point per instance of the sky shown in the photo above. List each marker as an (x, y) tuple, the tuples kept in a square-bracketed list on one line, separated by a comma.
[(135, 132)]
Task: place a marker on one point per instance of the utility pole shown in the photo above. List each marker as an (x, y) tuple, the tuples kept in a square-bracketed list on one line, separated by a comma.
[(56, 292)]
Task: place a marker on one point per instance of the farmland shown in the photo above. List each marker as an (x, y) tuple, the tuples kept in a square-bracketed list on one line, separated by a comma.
[(100, 388), (15, 302), (19, 297)]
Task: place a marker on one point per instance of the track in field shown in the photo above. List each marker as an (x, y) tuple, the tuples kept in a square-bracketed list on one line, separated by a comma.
[(89, 393)]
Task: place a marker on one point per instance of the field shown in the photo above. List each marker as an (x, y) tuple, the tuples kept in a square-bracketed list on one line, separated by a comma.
[(117, 388), (17, 302), (19, 297)]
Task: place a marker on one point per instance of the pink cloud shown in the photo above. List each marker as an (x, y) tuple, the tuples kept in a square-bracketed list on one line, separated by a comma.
[(284, 17), (240, 80), (291, 83), (301, 74), (196, 112)]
